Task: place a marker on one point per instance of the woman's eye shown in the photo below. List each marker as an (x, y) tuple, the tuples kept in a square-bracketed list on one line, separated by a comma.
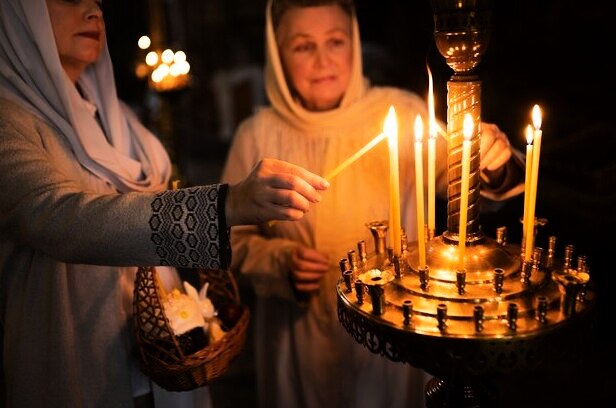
[(305, 47)]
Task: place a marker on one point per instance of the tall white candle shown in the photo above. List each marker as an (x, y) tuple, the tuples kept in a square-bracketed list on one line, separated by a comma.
[(391, 130), (530, 232), (431, 157), (468, 129), (527, 179), (419, 187)]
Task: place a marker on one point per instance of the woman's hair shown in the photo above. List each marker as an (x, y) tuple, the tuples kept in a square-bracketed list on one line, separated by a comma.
[(279, 7)]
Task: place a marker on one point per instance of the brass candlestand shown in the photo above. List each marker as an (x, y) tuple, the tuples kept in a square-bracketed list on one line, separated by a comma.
[(495, 316)]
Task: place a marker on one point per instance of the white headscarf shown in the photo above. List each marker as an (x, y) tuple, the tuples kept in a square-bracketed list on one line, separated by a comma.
[(288, 107), (129, 156)]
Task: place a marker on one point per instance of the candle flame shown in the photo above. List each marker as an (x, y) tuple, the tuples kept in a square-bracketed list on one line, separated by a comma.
[(391, 125), (468, 127), (418, 128), (529, 134), (432, 116), (537, 117)]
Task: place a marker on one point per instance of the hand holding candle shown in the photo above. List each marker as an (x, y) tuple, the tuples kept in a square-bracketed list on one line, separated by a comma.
[(530, 232), (468, 129), (391, 130), (419, 187)]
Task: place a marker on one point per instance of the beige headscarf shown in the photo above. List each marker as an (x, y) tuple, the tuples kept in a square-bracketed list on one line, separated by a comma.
[(119, 150), (283, 102)]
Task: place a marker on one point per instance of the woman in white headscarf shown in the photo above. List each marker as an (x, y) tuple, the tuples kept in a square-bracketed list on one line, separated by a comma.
[(323, 111), (84, 201)]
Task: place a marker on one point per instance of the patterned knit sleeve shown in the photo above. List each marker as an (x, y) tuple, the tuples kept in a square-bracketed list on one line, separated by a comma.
[(189, 229)]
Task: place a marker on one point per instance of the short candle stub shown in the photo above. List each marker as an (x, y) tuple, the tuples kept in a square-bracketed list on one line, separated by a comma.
[(512, 316), (407, 311), (478, 318), (499, 278)]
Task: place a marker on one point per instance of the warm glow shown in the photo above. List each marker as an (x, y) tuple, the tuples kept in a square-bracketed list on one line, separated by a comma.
[(529, 134), (432, 115), (391, 125), (536, 117), (179, 56), (167, 56), (468, 126), (144, 42), (418, 128), (151, 59)]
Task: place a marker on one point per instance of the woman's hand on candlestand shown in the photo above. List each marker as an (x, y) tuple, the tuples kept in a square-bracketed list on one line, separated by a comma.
[(274, 190), (495, 149), (308, 266)]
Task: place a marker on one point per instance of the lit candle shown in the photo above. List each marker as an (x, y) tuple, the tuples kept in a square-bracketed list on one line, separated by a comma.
[(391, 130), (431, 160), (355, 156), (467, 129), (527, 179), (419, 187), (530, 232)]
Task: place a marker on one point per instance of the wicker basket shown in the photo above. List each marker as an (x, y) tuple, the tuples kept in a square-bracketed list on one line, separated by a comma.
[(160, 353)]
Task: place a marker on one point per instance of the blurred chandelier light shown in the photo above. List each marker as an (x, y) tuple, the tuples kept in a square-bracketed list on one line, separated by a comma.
[(166, 70)]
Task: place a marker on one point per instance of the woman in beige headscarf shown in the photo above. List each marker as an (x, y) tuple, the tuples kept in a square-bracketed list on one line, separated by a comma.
[(83, 203), (322, 111)]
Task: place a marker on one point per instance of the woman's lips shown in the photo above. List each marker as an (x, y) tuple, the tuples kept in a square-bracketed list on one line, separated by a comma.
[(95, 35)]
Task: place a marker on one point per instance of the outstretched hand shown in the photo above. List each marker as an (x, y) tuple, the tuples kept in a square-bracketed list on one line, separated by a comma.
[(494, 148), (274, 190)]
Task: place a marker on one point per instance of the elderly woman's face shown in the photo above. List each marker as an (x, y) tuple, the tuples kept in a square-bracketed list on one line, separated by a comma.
[(316, 51), (79, 32)]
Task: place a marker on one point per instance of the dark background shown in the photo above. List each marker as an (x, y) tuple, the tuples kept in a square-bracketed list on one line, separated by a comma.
[(554, 53)]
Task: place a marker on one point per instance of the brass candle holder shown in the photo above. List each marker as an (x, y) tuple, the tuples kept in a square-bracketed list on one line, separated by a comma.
[(494, 315)]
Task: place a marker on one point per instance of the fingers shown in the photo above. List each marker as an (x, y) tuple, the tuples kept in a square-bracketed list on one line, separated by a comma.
[(315, 181), (495, 148), (308, 268)]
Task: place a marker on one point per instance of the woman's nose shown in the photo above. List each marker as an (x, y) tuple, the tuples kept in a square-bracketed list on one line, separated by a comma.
[(94, 10), (322, 58)]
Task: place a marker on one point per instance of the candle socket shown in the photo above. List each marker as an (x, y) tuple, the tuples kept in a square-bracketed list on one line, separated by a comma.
[(404, 243), (424, 277), (378, 229), (512, 316), (353, 260), (568, 257), (344, 265), (478, 314), (525, 272), (441, 316), (363, 253), (569, 286), (377, 297), (359, 292), (501, 236), (407, 312), (396, 262), (542, 309), (348, 280), (499, 278), (430, 234), (549, 262), (461, 280)]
